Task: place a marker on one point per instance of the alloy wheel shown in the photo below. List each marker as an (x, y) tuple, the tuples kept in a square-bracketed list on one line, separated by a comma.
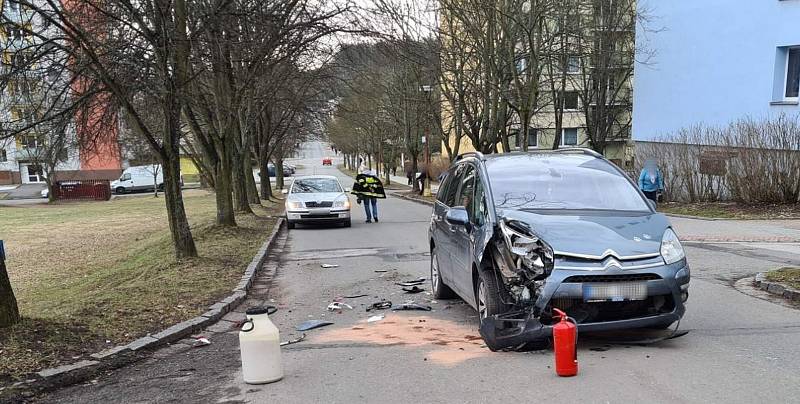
[(434, 272), (481, 299)]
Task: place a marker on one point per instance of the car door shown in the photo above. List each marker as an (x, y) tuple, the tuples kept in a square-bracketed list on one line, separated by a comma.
[(462, 237), (440, 228)]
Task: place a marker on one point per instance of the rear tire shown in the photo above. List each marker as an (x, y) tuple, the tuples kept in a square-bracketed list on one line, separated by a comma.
[(487, 295), (438, 287), (290, 225)]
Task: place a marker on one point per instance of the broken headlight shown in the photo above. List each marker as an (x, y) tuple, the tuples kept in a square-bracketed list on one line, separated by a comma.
[(671, 248), (528, 251)]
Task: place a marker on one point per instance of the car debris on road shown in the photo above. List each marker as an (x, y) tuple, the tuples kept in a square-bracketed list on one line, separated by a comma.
[(339, 306), (383, 304), (312, 324), (294, 341), (412, 306), (375, 318)]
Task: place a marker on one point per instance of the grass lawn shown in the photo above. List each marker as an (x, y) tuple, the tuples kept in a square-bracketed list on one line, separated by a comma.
[(93, 275), (789, 276), (731, 210)]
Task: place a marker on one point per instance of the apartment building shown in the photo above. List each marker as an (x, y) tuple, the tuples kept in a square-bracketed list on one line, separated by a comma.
[(25, 78), (584, 69), (715, 61)]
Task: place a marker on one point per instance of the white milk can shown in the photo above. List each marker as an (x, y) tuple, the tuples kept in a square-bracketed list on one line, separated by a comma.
[(260, 347)]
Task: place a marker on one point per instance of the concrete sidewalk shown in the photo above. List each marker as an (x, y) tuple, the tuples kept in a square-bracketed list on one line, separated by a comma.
[(783, 231), (24, 191)]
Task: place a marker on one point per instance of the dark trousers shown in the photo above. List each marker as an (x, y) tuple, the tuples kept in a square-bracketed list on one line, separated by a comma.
[(651, 195)]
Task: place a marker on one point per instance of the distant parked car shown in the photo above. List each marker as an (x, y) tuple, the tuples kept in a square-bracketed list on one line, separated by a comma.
[(327, 161), (139, 178), (271, 170)]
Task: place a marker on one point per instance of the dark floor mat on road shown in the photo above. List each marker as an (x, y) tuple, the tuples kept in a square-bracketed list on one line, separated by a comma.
[(413, 289), (412, 306), (312, 324), (417, 281)]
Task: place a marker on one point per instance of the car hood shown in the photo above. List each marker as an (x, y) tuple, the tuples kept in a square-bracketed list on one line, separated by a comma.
[(320, 197), (596, 234)]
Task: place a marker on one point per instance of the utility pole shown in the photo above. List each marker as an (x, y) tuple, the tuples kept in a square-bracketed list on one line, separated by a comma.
[(426, 139), (426, 191)]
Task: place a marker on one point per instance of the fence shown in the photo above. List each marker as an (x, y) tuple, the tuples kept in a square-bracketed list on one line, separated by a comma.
[(749, 161), (99, 190)]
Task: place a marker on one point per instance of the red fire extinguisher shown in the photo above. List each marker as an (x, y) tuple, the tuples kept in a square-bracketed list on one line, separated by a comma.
[(565, 345)]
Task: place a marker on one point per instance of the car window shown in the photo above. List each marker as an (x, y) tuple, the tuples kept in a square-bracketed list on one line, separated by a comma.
[(444, 189), (478, 208), (467, 189), (315, 185), (452, 187), (125, 177)]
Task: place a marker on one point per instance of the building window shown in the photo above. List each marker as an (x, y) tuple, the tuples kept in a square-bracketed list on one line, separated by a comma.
[(569, 137), (570, 100), (573, 64), (792, 74), (533, 139), (3, 156)]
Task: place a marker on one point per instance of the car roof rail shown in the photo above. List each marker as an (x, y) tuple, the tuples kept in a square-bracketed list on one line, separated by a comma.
[(585, 150), (475, 154)]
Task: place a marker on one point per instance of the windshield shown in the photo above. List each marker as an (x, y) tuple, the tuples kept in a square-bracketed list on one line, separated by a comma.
[(574, 182), (315, 185)]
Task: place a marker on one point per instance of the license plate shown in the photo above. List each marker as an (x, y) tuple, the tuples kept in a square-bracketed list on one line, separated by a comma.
[(319, 211), (614, 292)]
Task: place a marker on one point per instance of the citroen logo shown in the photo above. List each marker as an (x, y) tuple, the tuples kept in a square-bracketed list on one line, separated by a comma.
[(611, 262)]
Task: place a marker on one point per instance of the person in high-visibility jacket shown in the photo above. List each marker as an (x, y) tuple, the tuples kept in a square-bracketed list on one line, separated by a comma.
[(368, 188)]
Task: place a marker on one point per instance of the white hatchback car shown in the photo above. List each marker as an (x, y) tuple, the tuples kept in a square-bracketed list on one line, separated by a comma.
[(317, 199)]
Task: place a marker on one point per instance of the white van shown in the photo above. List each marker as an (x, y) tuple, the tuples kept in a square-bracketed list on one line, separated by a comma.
[(139, 178)]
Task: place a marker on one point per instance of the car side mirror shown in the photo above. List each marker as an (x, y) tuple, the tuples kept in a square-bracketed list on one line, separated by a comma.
[(284, 191), (457, 216), (652, 204)]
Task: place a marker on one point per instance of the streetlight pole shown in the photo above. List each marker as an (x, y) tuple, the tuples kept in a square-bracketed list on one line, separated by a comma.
[(426, 191)]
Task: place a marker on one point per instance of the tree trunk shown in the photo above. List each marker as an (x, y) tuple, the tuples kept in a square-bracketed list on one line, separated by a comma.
[(223, 177), (266, 187), (252, 189), (240, 201), (9, 312), (279, 172), (176, 212)]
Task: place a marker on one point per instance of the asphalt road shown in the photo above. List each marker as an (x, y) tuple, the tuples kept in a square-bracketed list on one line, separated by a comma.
[(739, 349)]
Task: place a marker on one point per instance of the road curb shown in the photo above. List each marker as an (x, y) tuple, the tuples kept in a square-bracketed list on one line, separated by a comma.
[(775, 288), (412, 199), (121, 355)]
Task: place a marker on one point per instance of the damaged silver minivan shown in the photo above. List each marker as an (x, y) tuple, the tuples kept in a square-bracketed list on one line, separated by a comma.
[(516, 235)]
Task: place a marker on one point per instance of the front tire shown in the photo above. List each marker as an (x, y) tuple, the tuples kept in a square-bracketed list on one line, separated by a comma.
[(119, 190), (438, 287), (347, 223), (487, 295), (290, 225)]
